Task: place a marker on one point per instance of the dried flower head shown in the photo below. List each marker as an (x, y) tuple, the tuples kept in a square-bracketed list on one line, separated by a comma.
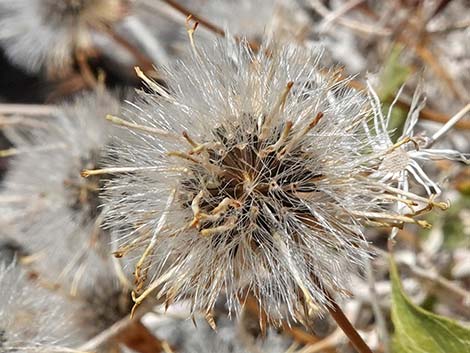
[(253, 174), (403, 162), (31, 318), (44, 34), (56, 210)]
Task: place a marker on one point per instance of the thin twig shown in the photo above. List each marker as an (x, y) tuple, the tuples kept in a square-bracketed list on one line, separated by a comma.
[(354, 25), (441, 5), (27, 109), (328, 343), (106, 335), (428, 57), (431, 115), (348, 329), (449, 125), (138, 338), (22, 121), (143, 60), (441, 281), (85, 69), (203, 22), (196, 18), (67, 86), (340, 11), (456, 26)]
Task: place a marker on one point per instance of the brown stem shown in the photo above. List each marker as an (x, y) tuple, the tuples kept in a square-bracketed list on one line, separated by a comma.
[(84, 69), (348, 328), (186, 12), (442, 4), (69, 86), (143, 60), (138, 338), (203, 22)]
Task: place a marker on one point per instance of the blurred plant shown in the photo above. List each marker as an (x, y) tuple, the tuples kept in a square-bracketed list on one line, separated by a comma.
[(47, 34), (31, 318), (59, 210)]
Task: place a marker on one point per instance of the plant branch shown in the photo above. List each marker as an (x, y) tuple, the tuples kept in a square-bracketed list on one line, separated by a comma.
[(200, 20), (430, 275), (27, 109), (431, 115), (140, 339), (449, 124), (348, 329), (130, 332), (143, 60), (203, 22)]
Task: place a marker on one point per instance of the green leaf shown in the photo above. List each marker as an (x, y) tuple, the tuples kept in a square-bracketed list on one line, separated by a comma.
[(393, 74), (420, 331)]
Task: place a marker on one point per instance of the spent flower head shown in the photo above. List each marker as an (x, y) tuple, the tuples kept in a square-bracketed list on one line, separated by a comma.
[(412, 148), (31, 318), (253, 174), (56, 211)]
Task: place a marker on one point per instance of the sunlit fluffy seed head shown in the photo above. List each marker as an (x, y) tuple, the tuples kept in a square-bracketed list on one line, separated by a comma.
[(253, 175), (31, 318), (56, 209), (43, 34)]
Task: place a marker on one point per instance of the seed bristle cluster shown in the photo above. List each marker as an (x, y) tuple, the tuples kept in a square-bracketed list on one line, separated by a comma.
[(258, 181)]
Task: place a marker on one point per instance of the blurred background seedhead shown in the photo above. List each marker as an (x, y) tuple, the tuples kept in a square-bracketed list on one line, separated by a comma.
[(32, 319), (52, 210), (43, 35)]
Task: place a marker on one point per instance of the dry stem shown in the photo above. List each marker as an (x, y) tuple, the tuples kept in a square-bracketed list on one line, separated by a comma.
[(347, 327)]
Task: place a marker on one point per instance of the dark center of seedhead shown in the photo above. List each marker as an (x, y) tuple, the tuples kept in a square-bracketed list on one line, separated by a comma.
[(247, 181), (59, 10)]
